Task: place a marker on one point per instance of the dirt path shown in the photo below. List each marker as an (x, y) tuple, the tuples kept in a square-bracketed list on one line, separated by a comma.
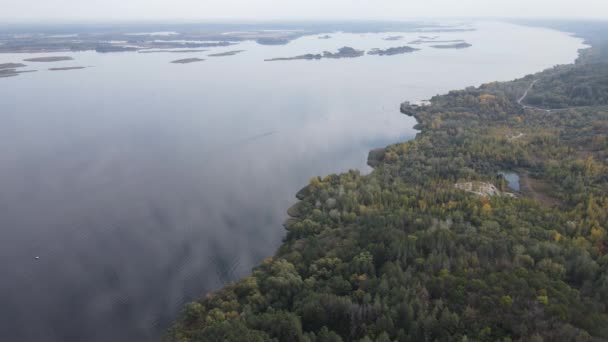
[(523, 97), (526, 92)]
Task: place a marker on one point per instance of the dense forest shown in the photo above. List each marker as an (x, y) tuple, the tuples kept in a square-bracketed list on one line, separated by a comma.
[(435, 244)]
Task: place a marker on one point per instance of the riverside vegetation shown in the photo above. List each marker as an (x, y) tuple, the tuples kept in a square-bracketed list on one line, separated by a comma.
[(404, 254)]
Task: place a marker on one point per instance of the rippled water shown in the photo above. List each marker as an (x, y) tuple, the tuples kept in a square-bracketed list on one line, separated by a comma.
[(142, 184)]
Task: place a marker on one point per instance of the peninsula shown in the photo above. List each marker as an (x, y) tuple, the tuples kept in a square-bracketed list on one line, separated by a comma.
[(433, 244)]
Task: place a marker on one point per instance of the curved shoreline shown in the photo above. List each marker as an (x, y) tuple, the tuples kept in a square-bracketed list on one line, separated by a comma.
[(318, 209)]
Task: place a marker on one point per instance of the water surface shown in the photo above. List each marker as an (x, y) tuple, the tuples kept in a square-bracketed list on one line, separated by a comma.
[(512, 179), (143, 184)]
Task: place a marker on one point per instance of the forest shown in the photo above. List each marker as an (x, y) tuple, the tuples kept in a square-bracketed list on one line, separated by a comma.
[(406, 254)]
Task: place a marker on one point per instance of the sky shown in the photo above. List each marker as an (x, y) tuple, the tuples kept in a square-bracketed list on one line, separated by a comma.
[(112, 10)]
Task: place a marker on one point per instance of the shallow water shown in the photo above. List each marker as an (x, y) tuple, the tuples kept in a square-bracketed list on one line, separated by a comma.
[(143, 184), (512, 179)]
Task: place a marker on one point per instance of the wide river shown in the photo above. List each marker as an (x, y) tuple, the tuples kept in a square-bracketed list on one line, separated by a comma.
[(142, 184)]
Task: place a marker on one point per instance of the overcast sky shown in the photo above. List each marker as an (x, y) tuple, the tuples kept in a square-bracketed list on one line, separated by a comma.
[(14, 10)]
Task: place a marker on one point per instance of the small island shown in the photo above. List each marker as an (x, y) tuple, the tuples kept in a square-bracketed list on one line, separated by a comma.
[(187, 60), (49, 59), (272, 41), (308, 56), (325, 37), (392, 51), (67, 68), (393, 38), (11, 66), (115, 48), (227, 53), (10, 69), (12, 72), (425, 41), (8, 73), (344, 52), (452, 46), (170, 51)]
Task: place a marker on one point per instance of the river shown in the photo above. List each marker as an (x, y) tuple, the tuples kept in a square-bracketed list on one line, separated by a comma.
[(135, 185)]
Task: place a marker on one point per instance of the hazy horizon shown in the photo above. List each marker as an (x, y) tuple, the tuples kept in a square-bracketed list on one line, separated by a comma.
[(296, 10)]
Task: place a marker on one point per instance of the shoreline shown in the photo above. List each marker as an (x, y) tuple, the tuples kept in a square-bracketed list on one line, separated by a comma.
[(307, 218), (103, 41)]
